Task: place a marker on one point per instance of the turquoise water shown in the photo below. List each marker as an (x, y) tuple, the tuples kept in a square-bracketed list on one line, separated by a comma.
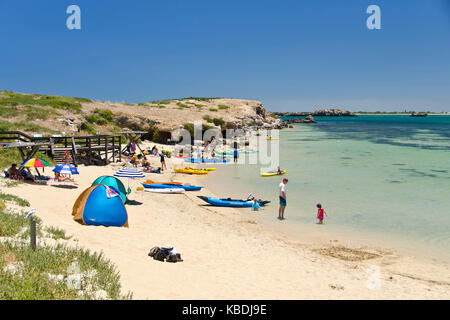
[(388, 176)]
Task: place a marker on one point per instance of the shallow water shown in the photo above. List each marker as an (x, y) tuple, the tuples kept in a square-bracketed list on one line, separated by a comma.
[(385, 177)]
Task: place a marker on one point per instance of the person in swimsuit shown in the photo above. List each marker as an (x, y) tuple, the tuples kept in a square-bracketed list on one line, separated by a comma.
[(163, 162), (320, 213), (283, 203)]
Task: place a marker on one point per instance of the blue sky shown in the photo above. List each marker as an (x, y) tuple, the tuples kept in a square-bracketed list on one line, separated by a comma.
[(292, 55)]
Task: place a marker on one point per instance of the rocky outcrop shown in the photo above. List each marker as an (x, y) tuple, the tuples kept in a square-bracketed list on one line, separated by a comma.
[(308, 119), (321, 113)]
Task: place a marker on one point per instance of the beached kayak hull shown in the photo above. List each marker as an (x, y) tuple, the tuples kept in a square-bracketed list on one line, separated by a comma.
[(168, 190), (190, 171), (270, 174), (230, 203), (197, 160), (169, 186)]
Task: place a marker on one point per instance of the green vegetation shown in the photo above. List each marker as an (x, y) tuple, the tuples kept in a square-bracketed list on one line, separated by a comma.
[(57, 233), (67, 103), (10, 156), (88, 127), (19, 201), (36, 271), (208, 118), (213, 109), (11, 224), (100, 117), (190, 127), (182, 105), (158, 102), (222, 106), (218, 121), (24, 126), (43, 274)]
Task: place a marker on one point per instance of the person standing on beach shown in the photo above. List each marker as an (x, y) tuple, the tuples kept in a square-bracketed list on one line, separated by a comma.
[(282, 187), (320, 213)]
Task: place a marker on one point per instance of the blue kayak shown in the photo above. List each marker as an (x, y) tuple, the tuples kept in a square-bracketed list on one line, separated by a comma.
[(230, 202), (168, 186), (199, 160)]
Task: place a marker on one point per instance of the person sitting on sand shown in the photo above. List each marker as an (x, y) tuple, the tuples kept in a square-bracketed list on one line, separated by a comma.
[(145, 162), (13, 172), (320, 213), (134, 161), (60, 178)]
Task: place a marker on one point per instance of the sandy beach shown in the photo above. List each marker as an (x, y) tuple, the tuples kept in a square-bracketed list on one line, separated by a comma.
[(226, 253)]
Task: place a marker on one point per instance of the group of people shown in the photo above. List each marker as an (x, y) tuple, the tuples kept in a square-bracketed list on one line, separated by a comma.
[(283, 202), (135, 159)]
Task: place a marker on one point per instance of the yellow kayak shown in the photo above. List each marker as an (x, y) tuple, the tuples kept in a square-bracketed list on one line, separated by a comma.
[(190, 171), (272, 173), (207, 169), (272, 138)]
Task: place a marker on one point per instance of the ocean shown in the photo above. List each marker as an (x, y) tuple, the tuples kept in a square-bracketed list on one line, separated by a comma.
[(379, 177)]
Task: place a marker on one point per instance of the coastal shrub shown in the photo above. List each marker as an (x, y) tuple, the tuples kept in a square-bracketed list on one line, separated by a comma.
[(57, 102), (105, 114), (222, 106), (19, 201), (34, 281), (182, 105), (24, 126), (88, 127), (190, 127), (33, 275), (2, 205), (230, 125), (39, 113), (9, 111), (213, 109), (95, 119), (159, 102), (57, 233), (11, 224), (208, 118), (8, 157), (218, 121)]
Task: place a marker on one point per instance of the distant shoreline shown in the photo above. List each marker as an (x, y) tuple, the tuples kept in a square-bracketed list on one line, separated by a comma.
[(399, 114)]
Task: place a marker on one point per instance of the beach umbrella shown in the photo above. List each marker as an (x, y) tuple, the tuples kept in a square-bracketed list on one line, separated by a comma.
[(129, 173), (66, 169), (35, 163)]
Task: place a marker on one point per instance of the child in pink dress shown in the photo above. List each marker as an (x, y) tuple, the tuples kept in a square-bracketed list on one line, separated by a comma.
[(320, 213)]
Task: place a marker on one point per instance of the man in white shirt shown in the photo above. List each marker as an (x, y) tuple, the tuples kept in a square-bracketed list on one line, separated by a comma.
[(282, 187)]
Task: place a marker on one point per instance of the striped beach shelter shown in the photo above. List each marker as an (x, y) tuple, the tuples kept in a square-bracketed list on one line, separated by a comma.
[(129, 173)]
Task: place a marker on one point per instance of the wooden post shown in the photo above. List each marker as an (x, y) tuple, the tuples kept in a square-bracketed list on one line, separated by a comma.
[(120, 148), (33, 234), (114, 148), (106, 150)]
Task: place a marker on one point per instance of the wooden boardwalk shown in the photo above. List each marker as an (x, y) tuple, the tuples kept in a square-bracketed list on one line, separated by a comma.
[(88, 150)]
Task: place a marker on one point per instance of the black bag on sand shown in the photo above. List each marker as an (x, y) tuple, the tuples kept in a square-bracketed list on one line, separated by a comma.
[(153, 251), (174, 258)]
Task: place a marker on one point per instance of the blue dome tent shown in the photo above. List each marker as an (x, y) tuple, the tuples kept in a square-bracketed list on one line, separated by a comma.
[(114, 183), (100, 205)]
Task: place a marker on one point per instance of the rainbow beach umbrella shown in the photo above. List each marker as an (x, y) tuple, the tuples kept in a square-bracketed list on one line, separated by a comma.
[(35, 163)]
